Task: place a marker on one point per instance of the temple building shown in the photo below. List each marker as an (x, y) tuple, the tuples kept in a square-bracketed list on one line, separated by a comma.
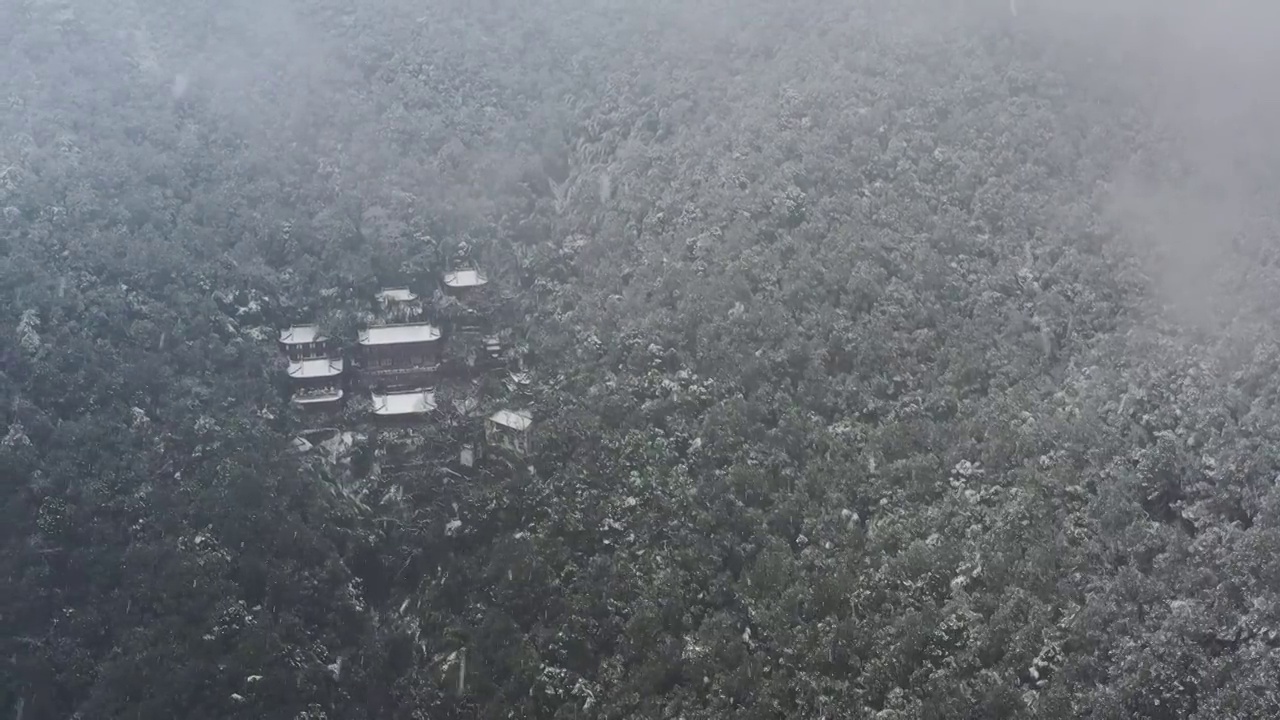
[(464, 283), (303, 342), (317, 383), (399, 303), (468, 322), (402, 363), (400, 357), (399, 407), (489, 352), (510, 430)]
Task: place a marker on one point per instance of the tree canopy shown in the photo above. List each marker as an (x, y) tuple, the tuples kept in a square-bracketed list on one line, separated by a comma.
[(891, 359)]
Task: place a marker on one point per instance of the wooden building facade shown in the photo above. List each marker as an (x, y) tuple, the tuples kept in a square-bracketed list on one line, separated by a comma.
[(400, 357), (316, 382), (304, 342)]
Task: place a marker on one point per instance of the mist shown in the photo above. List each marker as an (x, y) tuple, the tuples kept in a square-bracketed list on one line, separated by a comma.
[(1199, 205), (603, 359)]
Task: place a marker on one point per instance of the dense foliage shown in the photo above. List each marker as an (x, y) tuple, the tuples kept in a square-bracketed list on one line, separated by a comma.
[(891, 360)]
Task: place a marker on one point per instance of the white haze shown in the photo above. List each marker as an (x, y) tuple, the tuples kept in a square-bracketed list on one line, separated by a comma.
[(1200, 213), (1198, 75)]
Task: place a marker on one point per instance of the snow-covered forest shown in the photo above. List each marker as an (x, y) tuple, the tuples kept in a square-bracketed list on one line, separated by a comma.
[(887, 358)]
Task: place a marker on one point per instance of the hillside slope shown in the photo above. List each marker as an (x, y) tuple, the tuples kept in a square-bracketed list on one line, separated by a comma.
[(893, 360)]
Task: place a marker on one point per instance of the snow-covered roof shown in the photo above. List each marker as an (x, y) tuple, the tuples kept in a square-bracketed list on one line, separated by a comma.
[(464, 279), (404, 403), (299, 334), (315, 368), (520, 378), (397, 295), (399, 334), (514, 419), (312, 398), (320, 436)]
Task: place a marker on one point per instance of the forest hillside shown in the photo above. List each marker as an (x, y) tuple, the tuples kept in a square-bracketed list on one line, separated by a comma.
[(890, 358)]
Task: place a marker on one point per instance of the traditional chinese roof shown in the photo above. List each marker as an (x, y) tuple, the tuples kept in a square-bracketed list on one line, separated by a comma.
[(514, 419), (300, 334), (417, 402), (399, 334), (397, 295), (315, 368), (313, 398), (464, 279)]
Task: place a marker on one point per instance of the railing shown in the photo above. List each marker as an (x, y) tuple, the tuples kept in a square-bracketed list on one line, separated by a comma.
[(401, 370)]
